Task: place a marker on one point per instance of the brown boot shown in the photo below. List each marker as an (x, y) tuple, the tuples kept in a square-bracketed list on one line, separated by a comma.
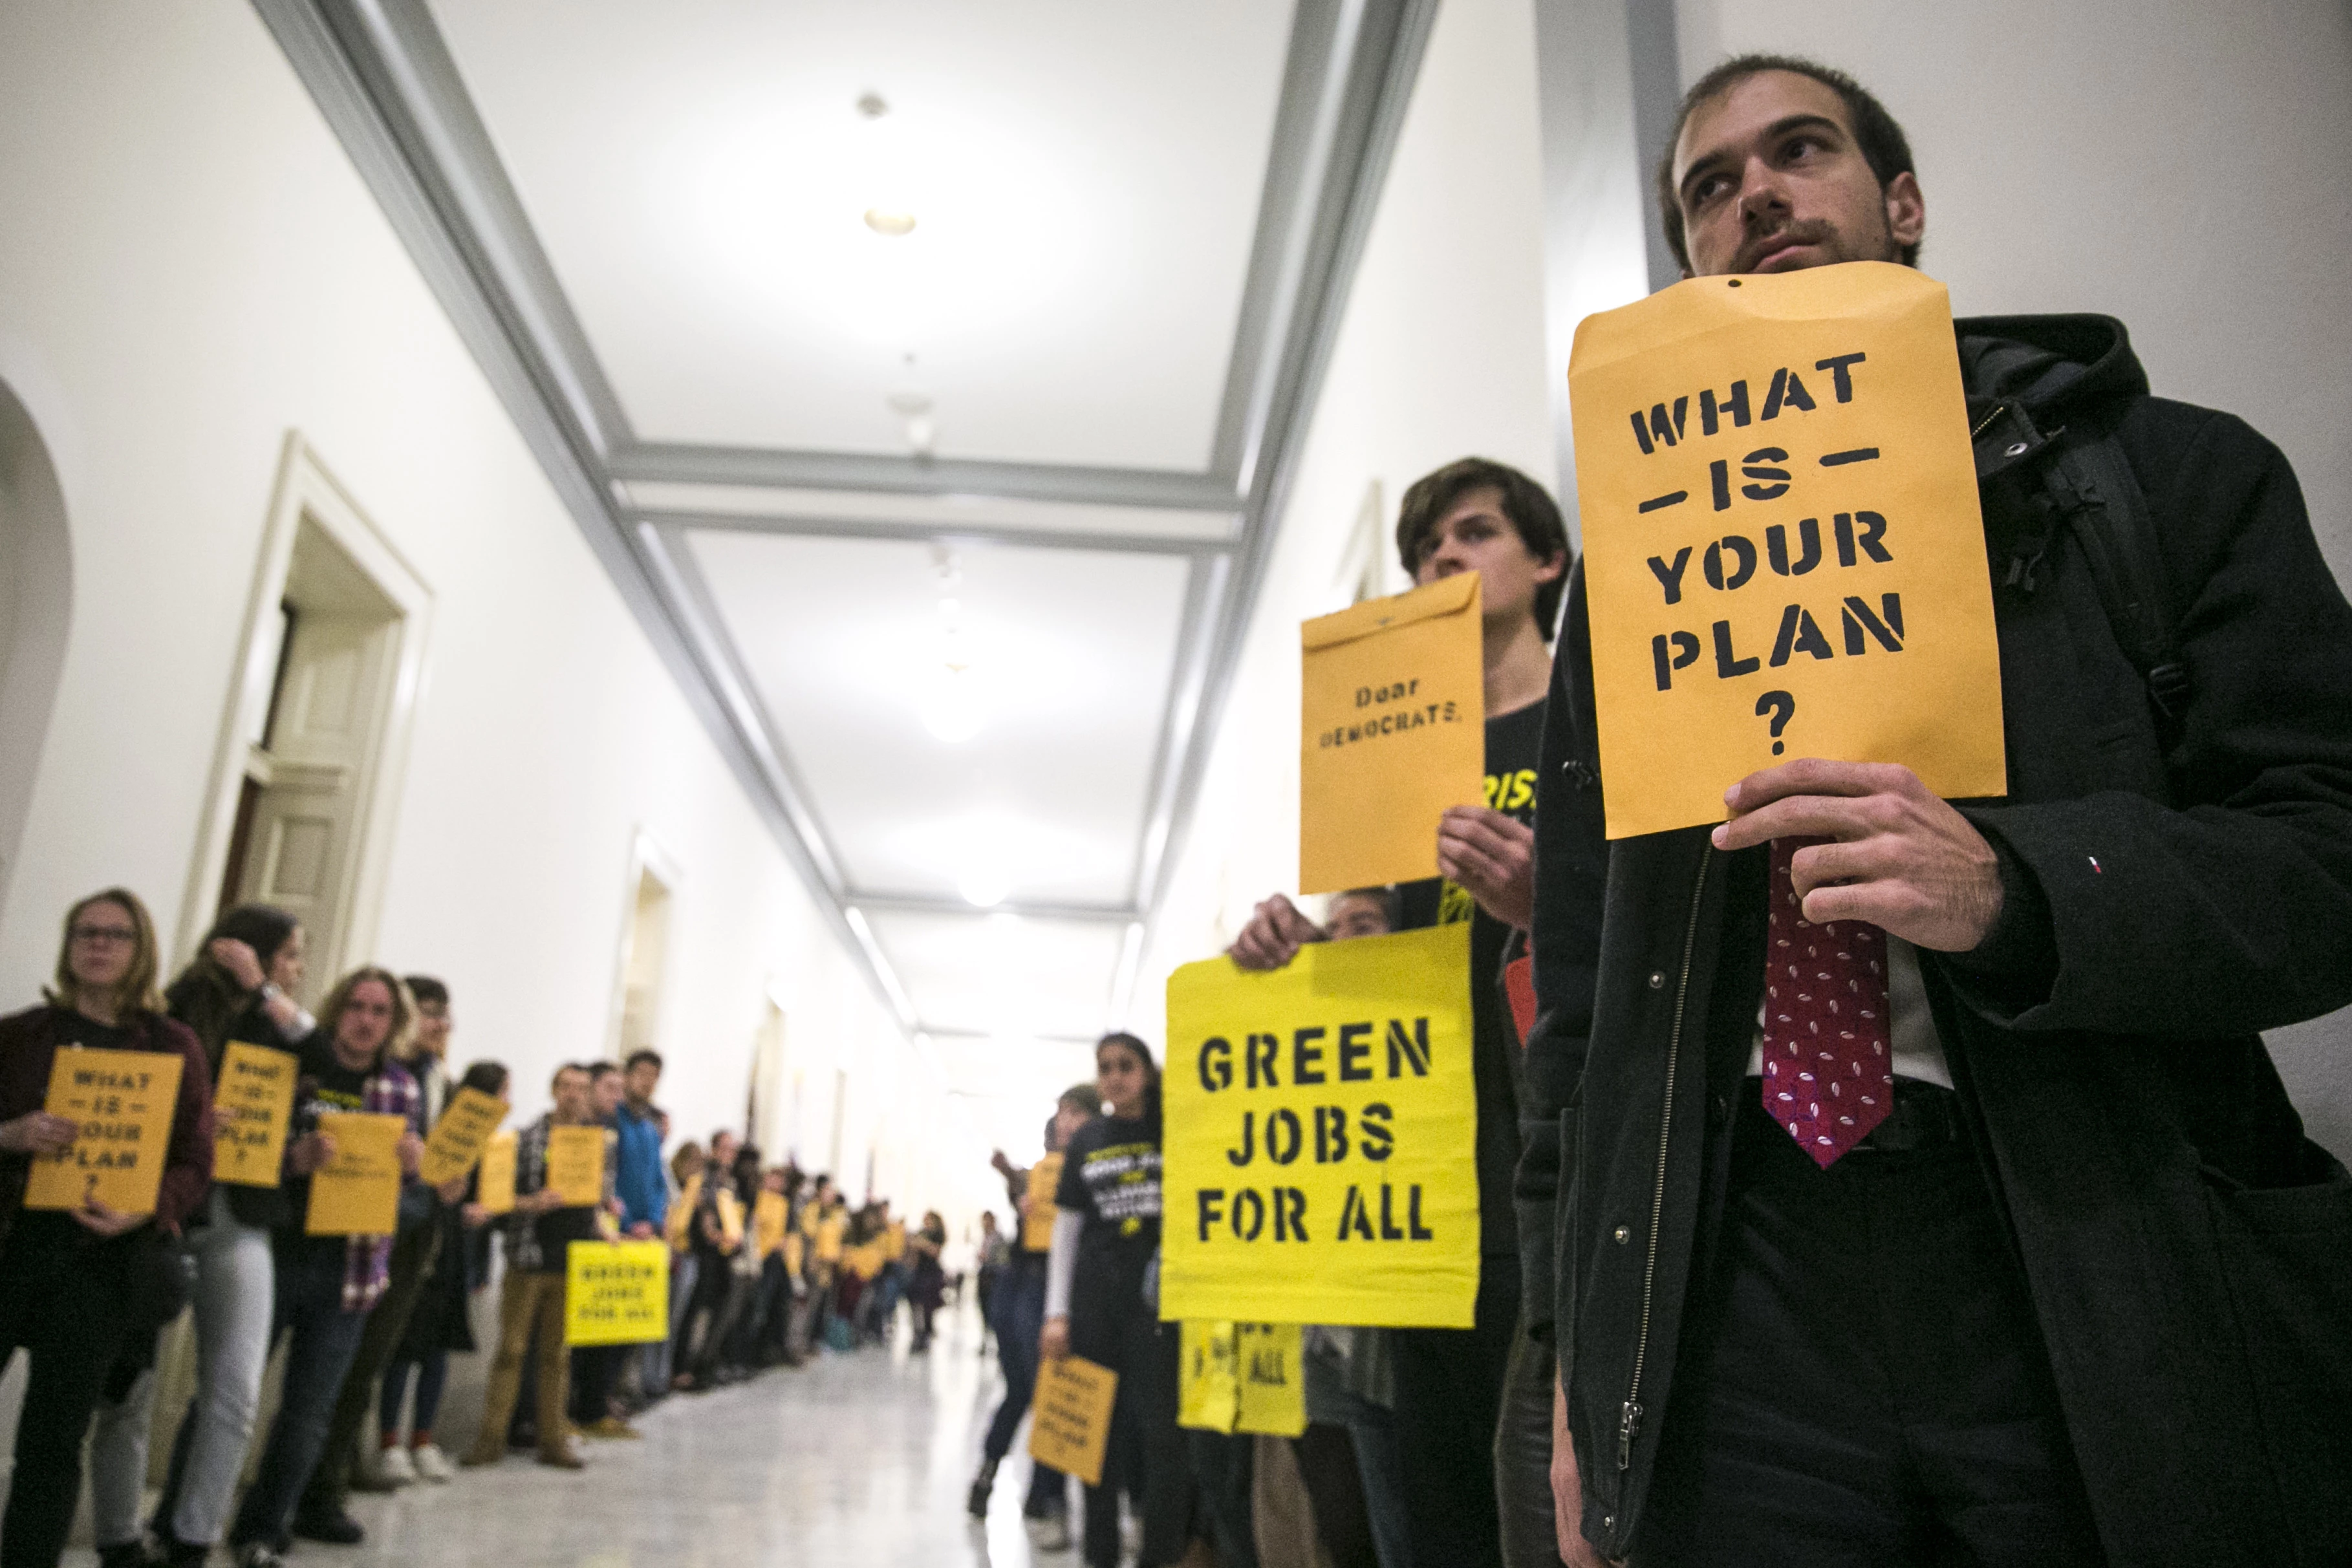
[(478, 1457), (562, 1457)]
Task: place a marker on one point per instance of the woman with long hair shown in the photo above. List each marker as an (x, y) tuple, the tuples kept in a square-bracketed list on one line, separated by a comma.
[(76, 1284), (238, 986), (325, 1286), (1106, 1235)]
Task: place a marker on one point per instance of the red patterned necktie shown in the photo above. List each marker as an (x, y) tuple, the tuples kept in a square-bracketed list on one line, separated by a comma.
[(1828, 1077)]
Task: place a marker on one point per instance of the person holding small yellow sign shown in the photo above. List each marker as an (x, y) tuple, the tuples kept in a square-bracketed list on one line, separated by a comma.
[(329, 1275), (1908, 1178), (80, 1276), (1106, 1237), (1019, 1312), (544, 1224), (1471, 515)]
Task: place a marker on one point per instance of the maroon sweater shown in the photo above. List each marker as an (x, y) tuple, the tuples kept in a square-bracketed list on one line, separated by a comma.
[(29, 1041)]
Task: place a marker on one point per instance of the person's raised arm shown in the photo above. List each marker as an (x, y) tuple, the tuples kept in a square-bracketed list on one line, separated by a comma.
[(1276, 932)]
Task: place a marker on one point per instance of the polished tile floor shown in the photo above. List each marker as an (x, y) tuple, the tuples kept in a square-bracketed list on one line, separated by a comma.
[(856, 1458)]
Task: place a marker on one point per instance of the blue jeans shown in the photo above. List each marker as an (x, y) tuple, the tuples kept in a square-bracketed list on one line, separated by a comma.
[(325, 1339), (432, 1371), (1019, 1315)]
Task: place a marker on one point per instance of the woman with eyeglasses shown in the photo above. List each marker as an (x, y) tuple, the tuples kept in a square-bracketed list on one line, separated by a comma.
[(239, 986), (74, 1283)]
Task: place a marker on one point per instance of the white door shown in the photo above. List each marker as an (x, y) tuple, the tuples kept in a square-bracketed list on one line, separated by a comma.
[(322, 749)]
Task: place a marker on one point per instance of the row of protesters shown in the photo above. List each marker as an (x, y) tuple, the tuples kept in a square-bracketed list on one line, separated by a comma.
[(240, 1254)]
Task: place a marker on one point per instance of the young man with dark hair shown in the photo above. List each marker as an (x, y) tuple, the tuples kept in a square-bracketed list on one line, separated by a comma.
[(642, 1184), (540, 1232), (2037, 1308), (1470, 516), (596, 1368)]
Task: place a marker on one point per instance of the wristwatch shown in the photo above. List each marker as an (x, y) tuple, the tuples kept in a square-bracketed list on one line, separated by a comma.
[(270, 993)]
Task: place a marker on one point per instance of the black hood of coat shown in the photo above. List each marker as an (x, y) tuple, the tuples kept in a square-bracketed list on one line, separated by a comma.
[(2049, 365)]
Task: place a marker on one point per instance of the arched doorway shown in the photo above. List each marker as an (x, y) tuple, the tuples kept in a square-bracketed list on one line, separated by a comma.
[(36, 605)]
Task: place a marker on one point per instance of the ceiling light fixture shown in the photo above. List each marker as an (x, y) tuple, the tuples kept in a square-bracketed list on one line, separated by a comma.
[(983, 886)]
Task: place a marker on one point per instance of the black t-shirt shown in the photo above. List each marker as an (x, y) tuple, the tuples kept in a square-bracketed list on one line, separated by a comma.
[(1513, 747), (1110, 1173), (321, 1084)]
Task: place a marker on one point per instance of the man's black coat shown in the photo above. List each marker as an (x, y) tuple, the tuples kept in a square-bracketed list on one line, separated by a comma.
[(2173, 888)]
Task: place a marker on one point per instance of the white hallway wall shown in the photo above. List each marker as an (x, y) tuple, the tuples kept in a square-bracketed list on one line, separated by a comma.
[(189, 267), (2169, 163), (1440, 355)]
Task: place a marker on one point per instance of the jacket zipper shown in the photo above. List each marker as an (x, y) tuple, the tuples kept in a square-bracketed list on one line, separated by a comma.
[(1629, 1414)]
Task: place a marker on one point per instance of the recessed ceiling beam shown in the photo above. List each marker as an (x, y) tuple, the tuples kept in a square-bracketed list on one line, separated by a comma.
[(1027, 909), (673, 463), (940, 532)]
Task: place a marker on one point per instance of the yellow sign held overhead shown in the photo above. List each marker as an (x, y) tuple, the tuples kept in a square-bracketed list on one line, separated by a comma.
[(458, 1137), (1784, 554), (495, 1188), (1071, 1423), (357, 1193), (576, 1164), (1394, 731), (122, 1104), (616, 1292), (252, 1105), (1037, 1225), (1321, 1125)]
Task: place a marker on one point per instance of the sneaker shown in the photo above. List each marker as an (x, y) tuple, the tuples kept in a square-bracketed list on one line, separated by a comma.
[(337, 1529), (259, 1554), (432, 1463), (394, 1467), (566, 1457), (1051, 1532), (610, 1427)]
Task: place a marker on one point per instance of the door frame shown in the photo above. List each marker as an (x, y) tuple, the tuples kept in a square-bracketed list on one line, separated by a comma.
[(306, 489), (646, 855)]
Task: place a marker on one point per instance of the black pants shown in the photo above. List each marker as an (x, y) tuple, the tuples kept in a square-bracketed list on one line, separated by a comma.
[(1523, 1456), (62, 1302), (1146, 1445), (1449, 1396), (1863, 1382), (412, 1254)]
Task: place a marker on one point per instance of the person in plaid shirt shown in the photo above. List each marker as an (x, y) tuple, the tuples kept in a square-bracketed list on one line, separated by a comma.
[(538, 1233), (326, 1285)]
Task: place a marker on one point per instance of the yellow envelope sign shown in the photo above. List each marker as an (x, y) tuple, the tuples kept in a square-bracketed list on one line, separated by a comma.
[(252, 1105), (1071, 1421), (458, 1137), (1037, 1225), (357, 1193), (1783, 551), (122, 1104), (1243, 1378), (576, 1164), (495, 1188), (616, 1292), (1322, 1124), (1392, 731)]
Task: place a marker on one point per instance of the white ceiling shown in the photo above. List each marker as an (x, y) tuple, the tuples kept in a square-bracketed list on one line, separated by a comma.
[(1134, 227), (1085, 180), (1073, 651)]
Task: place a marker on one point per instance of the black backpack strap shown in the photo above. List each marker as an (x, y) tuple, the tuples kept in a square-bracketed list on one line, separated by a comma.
[(2093, 491)]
